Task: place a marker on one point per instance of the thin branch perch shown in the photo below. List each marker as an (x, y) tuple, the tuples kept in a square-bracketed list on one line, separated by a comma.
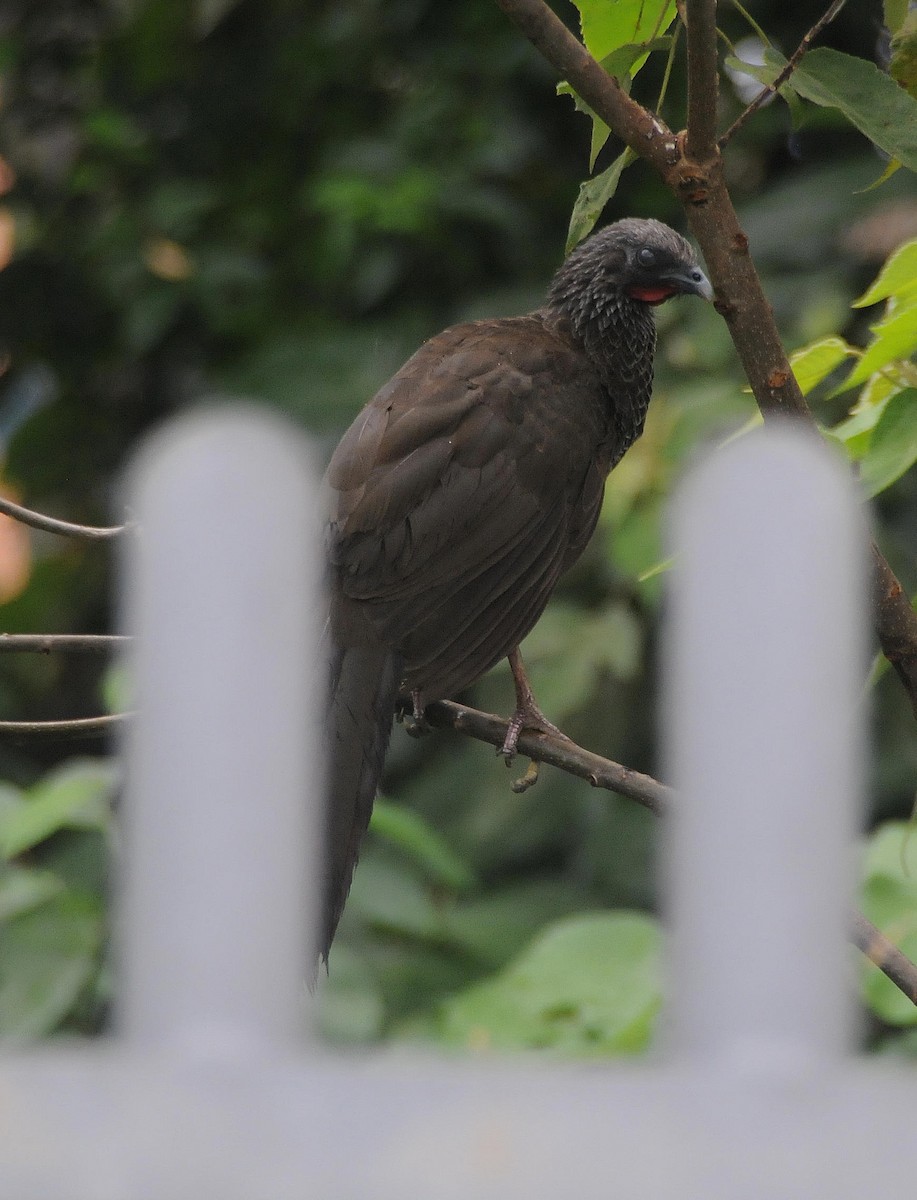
[(44, 643), (885, 955), (27, 516), (771, 89), (557, 752), (76, 728)]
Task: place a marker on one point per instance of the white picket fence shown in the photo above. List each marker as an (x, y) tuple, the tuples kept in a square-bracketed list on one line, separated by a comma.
[(212, 1089)]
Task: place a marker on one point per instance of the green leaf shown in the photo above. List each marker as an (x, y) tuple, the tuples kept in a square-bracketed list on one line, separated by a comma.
[(815, 362), (589, 986), (894, 13), (893, 448), (498, 925), (895, 339), (12, 799), (903, 65), (889, 899), (76, 795), (627, 60), (22, 888), (898, 1045), (386, 896), (891, 167), (594, 194), (878, 391), (897, 278), (607, 27), (622, 64), (47, 957), (872, 101), (117, 688), (410, 833), (351, 1005), (856, 432)]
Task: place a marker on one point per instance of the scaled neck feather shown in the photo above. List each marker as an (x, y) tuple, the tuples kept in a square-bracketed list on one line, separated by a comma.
[(618, 335)]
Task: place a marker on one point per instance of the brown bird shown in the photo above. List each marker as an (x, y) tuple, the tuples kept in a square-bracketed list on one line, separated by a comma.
[(463, 491)]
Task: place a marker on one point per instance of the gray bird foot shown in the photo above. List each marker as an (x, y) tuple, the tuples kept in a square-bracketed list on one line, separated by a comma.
[(415, 723), (529, 717)]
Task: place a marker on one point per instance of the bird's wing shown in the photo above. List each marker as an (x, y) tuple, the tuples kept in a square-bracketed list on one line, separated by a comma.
[(479, 434), (458, 492)]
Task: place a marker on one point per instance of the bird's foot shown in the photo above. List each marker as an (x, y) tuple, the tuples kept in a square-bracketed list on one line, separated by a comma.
[(528, 717), (415, 723)]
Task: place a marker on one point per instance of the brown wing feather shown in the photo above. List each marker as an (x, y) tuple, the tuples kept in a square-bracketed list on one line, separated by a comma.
[(463, 490)]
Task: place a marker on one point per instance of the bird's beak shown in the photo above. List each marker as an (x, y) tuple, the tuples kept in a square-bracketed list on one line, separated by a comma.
[(692, 282)]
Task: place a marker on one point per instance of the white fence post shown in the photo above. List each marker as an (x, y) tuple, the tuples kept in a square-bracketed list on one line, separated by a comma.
[(222, 597), (766, 658)]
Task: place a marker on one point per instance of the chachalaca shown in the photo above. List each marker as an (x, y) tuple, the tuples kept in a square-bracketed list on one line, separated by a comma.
[(462, 492)]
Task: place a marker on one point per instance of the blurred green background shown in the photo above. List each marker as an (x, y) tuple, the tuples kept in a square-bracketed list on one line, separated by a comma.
[(278, 201)]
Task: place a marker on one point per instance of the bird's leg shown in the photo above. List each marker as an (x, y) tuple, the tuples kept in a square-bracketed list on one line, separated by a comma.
[(416, 725), (527, 715)]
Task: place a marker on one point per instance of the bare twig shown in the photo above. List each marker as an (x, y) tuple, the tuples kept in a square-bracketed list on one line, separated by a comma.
[(658, 797), (557, 752), (52, 525), (77, 728), (44, 643), (702, 68), (792, 63), (885, 955)]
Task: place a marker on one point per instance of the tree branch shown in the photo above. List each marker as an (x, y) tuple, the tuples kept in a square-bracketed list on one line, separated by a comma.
[(44, 643), (557, 752), (77, 728), (658, 797), (51, 524), (793, 62), (740, 298), (885, 955), (702, 72)]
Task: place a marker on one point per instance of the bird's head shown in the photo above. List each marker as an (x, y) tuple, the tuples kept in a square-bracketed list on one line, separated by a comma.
[(641, 259), (658, 262)]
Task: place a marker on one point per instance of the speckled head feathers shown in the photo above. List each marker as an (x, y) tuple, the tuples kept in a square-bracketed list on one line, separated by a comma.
[(639, 259)]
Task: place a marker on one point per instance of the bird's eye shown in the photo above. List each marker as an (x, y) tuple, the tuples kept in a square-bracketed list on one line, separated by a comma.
[(646, 257)]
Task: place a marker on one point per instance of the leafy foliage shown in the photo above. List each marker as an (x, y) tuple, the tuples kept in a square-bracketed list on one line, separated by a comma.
[(589, 987), (54, 843), (880, 429), (889, 898)]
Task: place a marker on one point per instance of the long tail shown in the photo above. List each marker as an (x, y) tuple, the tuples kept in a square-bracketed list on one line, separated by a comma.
[(364, 689)]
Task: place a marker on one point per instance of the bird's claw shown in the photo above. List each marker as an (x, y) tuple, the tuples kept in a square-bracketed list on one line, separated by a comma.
[(415, 723), (529, 779), (529, 717), (417, 727)]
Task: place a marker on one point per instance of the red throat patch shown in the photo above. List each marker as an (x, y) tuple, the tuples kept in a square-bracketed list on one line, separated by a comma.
[(651, 295)]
